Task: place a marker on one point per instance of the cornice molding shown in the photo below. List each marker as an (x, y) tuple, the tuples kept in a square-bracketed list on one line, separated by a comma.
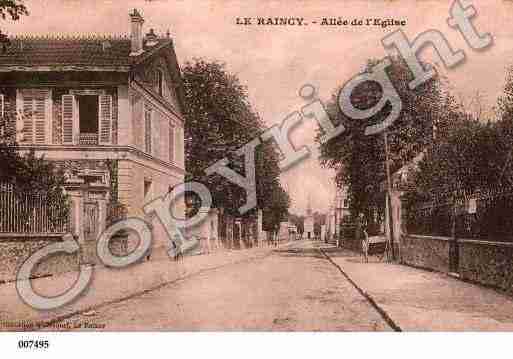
[(112, 149), (57, 68)]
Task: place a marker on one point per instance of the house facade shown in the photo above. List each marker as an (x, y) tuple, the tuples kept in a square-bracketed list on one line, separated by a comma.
[(108, 110), (338, 211)]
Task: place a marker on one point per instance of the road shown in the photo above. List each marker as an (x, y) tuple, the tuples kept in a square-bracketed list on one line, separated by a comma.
[(292, 289)]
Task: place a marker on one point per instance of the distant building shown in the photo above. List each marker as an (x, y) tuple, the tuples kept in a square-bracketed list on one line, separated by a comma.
[(338, 211), (309, 222)]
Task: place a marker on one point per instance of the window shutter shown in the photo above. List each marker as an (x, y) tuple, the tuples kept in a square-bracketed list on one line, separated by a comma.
[(179, 146), (105, 119), (28, 122), (3, 120), (39, 119), (68, 109), (171, 142), (147, 130)]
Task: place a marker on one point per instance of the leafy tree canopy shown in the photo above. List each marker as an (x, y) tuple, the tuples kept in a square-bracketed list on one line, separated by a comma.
[(13, 9), (359, 159), (220, 120)]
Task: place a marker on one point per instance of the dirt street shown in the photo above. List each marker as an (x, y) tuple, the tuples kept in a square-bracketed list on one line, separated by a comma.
[(294, 288)]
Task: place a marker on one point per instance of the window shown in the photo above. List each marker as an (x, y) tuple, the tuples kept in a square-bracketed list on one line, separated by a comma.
[(35, 116), (147, 191), (171, 142), (86, 117), (88, 108), (147, 130), (160, 82)]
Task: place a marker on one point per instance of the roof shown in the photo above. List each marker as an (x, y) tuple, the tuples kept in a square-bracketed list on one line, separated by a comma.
[(97, 51)]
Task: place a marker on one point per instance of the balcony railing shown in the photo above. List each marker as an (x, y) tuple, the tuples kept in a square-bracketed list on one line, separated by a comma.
[(87, 139)]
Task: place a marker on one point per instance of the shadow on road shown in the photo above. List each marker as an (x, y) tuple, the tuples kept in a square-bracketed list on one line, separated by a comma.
[(315, 252), (299, 252)]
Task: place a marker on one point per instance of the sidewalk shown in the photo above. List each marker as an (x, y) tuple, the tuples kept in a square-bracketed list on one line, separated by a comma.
[(418, 300), (112, 285)]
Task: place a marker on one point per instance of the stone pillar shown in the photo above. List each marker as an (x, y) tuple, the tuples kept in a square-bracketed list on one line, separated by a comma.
[(203, 229)]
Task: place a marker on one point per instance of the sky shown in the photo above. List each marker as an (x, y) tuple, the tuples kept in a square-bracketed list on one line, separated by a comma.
[(275, 61)]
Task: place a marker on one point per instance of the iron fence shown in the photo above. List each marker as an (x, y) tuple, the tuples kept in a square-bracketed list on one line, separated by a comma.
[(29, 213), (484, 215)]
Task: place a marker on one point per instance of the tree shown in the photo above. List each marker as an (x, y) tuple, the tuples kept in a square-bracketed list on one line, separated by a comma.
[(319, 221), (276, 211), (220, 120), (451, 165), (359, 159), (29, 174), (13, 9)]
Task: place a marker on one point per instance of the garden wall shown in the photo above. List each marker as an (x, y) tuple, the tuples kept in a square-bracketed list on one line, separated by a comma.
[(484, 262), (488, 263), (15, 250), (425, 252)]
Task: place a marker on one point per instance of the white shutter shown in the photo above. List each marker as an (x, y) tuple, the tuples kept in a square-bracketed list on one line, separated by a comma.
[(68, 110), (39, 119), (28, 119), (105, 117)]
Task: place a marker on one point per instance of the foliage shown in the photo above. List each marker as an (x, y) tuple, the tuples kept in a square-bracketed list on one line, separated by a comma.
[(470, 154), (220, 120), (451, 163), (13, 9), (319, 220), (31, 175), (298, 221), (276, 209), (471, 158), (359, 160)]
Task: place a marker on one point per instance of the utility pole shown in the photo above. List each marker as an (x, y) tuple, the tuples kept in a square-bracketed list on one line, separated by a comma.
[(389, 199)]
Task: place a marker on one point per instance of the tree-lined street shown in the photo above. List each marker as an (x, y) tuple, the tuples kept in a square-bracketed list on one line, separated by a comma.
[(299, 286), (294, 288)]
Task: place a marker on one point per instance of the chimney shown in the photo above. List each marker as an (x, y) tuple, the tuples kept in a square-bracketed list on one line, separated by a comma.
[(151, 38), (136, 36)]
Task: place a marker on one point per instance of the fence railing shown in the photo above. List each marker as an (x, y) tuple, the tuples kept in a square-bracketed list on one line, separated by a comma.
[(28, 213), (485, 215)]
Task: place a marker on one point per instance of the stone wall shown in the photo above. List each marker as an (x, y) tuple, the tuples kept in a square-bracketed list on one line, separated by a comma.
[(488, 263), (425, 252), (352, 244), (15, 250)]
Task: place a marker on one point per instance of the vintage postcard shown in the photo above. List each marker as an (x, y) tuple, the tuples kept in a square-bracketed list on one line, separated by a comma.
[(255, 166)]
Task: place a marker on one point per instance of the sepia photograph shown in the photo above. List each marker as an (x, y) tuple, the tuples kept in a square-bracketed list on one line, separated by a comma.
[(327, 169)]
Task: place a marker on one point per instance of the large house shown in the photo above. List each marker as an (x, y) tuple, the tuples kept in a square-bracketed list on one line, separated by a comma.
[(109, 110)]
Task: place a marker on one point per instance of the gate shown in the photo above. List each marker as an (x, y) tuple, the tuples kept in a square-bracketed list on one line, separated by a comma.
[(91, 225)]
